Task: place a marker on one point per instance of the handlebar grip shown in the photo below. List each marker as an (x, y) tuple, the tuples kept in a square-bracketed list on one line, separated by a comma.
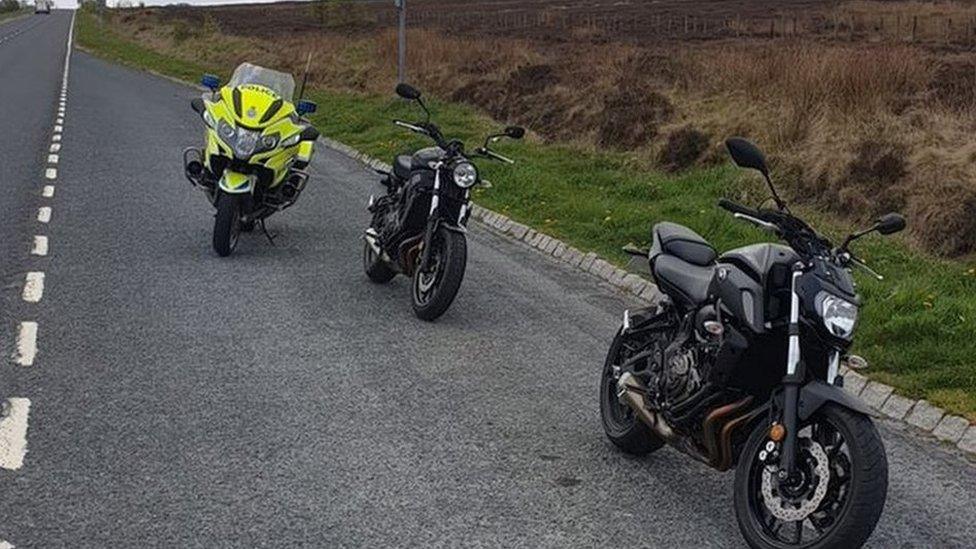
[(734, 207)]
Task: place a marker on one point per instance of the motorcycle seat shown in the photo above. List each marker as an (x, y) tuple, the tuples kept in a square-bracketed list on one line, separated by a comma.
[(681, 242), (683, 280)]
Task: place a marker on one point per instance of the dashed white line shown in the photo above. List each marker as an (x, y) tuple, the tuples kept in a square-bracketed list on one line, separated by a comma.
[(40, 246), (56, 137), (55, 147), (47, 191), (33, 287), (26, 344), (52, 159), (44, 214), (13, 436), (59, 121), (51, 173), (58, 129)]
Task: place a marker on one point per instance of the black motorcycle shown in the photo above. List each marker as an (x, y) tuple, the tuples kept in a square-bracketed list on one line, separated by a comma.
[(419, 225), (737, 366)]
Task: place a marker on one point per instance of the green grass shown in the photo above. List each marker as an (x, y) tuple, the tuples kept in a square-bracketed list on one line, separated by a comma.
[(4, 16), (918, 329)]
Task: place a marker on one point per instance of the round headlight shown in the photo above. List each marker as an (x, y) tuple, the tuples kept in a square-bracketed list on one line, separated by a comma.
[(269, 141), (839, 316), (226, 130), (465, 175)]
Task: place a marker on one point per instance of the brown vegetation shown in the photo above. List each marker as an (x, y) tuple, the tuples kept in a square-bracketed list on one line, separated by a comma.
[(857, 127)]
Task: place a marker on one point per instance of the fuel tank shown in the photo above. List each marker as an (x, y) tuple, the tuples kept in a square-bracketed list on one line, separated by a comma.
[(753, 283)]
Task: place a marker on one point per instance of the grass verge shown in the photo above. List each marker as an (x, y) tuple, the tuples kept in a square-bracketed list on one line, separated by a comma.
[(7, 15), (917, 329)]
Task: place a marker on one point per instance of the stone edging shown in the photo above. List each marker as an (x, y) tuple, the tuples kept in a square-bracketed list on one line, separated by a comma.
[(919, 414)]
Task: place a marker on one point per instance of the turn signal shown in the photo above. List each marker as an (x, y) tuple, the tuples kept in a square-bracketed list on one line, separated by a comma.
[(777, 432)]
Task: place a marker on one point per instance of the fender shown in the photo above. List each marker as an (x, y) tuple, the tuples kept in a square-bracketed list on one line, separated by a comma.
[(816, 393), (432, 226), (236, 183)]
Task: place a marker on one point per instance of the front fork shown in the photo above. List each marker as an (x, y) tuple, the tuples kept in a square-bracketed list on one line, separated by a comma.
[(795, 374), (433, 219)]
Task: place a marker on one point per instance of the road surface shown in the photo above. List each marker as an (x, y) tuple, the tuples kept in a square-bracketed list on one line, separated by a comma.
[(276, 398)]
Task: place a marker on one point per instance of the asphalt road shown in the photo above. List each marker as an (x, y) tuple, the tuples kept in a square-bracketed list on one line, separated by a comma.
[(277, 398)]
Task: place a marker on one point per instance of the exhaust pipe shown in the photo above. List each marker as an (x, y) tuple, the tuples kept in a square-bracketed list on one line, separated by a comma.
[(631, 391)]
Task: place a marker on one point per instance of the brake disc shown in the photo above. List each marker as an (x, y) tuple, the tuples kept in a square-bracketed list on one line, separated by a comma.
[(790, 510)]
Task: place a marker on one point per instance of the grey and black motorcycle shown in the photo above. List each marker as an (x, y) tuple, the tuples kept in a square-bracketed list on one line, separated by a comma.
[(737, 366), (419, 224)]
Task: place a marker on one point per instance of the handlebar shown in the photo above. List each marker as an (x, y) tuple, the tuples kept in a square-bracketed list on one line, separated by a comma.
[(735, 207), (492, 154)]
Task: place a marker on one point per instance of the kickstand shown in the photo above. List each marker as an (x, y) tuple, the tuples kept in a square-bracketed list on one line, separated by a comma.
[(264, 230)]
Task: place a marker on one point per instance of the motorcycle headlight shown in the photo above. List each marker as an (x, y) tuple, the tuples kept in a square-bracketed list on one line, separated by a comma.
[(465, 175), (226, 131), (839, 316), (246, 143), (269, 142)]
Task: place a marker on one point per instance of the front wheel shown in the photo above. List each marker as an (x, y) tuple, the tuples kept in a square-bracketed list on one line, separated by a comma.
[(435, 287), (836, 495), (227, 224)]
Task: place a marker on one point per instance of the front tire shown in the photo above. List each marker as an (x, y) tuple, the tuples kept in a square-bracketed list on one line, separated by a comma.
[(620, 423), (434, 288), (856, 482), (227, 224)]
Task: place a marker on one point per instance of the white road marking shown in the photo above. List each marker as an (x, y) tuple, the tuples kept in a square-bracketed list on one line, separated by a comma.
[(40, 246), (34, 287), (26, 344), (59, 121), (56, 137), (44, 214), (6, 545), (67, 54), (58, 129), (51, 173), (48, 191), (55, 147), (13, 436), (52, 159)]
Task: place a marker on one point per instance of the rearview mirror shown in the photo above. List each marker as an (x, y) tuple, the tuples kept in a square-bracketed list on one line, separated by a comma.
[(890, 223), (305, 106), (407, 91), (211, 82), (515, 132), (197, 105), (746, 155)]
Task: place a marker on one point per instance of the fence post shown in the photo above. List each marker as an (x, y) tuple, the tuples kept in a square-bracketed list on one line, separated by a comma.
[(401, 6)]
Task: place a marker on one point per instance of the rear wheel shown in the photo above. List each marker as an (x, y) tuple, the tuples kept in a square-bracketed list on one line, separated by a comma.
[(376, 269), (227, 224), (435, 287), (620, 423), (834, 499)]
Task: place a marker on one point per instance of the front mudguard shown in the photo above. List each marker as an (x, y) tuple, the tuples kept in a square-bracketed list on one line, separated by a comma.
[(236, 183), (432, 226), (816, 393)]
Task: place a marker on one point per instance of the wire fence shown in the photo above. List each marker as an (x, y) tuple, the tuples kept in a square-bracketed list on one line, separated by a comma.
[(609, 20)]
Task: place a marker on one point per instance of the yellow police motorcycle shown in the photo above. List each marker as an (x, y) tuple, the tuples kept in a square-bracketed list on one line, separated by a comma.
[(258, 146)]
